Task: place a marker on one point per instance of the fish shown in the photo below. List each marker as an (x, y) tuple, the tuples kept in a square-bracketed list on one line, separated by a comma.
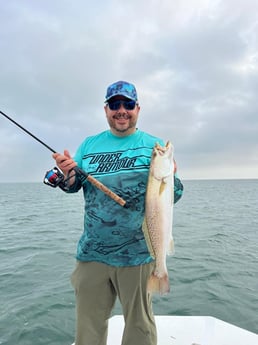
[(158, 219)]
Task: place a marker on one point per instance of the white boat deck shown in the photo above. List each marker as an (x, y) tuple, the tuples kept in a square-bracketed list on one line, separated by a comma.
[(189, 330)]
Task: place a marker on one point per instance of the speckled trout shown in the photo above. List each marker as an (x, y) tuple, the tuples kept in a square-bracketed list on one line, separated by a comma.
[(157, 226)]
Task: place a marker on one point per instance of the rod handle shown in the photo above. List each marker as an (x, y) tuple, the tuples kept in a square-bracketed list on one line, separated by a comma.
[(106, 190)]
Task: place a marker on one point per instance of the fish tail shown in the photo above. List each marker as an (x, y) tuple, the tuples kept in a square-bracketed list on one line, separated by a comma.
[(158, 285)]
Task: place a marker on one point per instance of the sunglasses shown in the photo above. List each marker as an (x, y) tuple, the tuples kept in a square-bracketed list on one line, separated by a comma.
[(115, 105)]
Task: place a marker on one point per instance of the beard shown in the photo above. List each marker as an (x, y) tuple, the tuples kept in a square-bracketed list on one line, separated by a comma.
[(120, 127)]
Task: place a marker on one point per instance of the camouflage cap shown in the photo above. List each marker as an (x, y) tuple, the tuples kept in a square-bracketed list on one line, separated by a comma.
[(122, 88)]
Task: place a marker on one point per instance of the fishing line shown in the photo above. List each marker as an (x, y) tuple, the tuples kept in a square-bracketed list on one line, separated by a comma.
[(56, 178)]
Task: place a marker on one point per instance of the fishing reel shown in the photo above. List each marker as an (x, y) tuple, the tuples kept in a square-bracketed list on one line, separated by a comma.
[(55, 178)]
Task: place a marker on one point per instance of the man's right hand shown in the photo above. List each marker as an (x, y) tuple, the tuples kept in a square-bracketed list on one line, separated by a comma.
[(64, 161)]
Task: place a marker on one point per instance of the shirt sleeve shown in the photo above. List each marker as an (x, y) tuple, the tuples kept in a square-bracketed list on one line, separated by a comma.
[(76, 186), (178, 189)]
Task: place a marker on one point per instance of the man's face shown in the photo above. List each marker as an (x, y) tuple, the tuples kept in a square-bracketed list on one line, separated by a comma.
[(122, 120)]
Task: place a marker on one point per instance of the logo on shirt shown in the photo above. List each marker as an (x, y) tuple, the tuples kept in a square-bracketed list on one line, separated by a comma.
[(112, 162)]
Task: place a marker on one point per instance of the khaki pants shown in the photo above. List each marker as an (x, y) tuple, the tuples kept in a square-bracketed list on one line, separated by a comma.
[(96, 287)]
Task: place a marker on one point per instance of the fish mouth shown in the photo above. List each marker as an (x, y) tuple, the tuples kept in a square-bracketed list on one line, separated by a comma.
[(162, 150)]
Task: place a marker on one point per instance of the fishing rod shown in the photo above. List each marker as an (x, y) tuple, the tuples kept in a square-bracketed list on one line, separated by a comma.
[(55, 177)]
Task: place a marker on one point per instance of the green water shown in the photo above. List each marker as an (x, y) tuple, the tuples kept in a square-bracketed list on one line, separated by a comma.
[(213, 272)]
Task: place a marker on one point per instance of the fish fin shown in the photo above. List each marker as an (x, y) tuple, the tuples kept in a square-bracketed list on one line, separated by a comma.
[(171, 247), (162, 187), (158, 285)]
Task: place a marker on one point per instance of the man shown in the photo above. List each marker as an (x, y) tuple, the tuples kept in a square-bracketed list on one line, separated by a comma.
[(112, 256)]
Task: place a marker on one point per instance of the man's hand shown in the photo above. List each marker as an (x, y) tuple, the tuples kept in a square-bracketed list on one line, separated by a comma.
[(64, 161)]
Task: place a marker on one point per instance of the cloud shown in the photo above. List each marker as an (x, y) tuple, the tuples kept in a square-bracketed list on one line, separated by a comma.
[(195, 66)]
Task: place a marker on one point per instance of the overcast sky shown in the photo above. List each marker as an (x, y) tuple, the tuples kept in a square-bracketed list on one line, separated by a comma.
[(194, 64)]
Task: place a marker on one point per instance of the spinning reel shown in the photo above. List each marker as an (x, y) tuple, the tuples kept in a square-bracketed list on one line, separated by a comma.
[(55, 178)]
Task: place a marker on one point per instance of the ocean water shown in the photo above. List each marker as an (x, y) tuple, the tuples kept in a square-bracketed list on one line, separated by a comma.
[(214, 270)]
